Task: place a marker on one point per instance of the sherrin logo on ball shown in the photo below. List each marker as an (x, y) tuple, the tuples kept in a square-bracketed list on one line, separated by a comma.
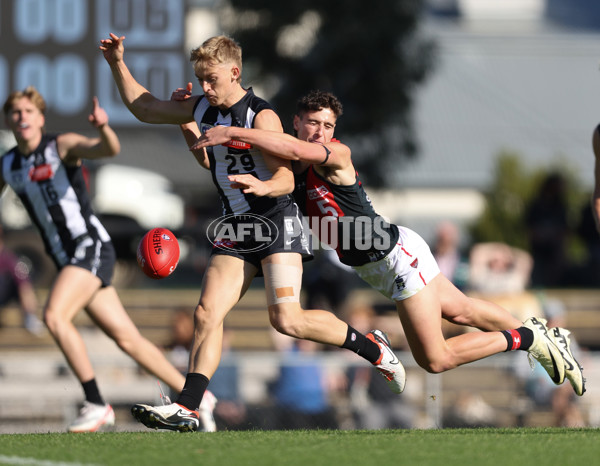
[(158, 253)]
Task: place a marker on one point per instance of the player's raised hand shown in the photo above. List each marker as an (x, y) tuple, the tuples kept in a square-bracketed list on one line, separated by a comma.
[(182, 93), (112, 48), (98, 117)]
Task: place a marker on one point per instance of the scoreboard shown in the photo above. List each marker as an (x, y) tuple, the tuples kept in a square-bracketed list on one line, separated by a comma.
[(54, 46)]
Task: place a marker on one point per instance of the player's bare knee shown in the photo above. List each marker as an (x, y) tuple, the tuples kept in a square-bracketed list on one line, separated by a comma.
[(281, 328), (280, 324), (433, 368), (436, 365), (51, 320), (204, 318), (124, 345), (128, 342), (286, 323)]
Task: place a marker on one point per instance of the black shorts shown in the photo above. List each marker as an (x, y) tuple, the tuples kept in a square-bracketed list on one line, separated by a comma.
[(252, 237), (96, 256)]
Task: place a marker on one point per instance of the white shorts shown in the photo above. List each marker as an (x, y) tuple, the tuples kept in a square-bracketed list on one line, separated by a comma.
[(404, 271)]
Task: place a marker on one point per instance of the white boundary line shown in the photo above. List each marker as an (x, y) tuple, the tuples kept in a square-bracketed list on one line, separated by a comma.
[(19, 460)]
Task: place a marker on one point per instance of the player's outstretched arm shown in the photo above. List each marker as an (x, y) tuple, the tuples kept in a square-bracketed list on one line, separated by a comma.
[(73, 146), (282, 178), (281, 145), (140, 102)]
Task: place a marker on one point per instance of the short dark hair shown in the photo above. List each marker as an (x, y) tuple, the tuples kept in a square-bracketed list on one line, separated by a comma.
[(317, 100)]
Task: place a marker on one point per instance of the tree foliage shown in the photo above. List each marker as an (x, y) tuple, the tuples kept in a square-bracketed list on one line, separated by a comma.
[(367, 53), (502, 219), (513, 188)]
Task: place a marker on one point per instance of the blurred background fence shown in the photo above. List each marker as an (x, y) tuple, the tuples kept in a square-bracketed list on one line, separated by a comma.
[(261, 387)]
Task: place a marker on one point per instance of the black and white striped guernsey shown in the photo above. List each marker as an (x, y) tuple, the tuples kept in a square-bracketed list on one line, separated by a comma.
[(237, 158), (56, 198)]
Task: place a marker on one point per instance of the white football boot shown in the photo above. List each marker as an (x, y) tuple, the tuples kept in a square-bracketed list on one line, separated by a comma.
[(545, 351), (171, 417), (93, 417), (205, 412), (573, 370), (388, 363)]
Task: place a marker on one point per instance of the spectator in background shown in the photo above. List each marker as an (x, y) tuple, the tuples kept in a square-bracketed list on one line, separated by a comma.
[(497, 268), (302, 390), (547, 226), (15, 285), (446, 251), (502, 273)]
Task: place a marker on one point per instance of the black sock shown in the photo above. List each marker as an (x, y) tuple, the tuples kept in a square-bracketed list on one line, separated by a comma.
[(520, 338), (193, 391), (92, 393), (361, 345)]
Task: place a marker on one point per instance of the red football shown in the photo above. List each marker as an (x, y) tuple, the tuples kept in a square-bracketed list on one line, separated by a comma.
[(158, 253)]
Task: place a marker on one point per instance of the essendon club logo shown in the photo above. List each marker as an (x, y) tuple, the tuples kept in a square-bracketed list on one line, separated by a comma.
[(317, 193), (41, 172)]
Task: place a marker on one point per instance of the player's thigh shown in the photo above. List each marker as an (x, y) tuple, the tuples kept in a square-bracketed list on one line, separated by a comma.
[(453, 302), (225, 281), (283, 280), (421, 319), (284, 258), (72, 290)]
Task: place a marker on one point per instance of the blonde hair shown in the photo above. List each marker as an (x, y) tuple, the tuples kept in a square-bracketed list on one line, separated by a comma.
[(30, 93), (217, 50)]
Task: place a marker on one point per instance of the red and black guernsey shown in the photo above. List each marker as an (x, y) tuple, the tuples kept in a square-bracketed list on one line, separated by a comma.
[(343, 217)]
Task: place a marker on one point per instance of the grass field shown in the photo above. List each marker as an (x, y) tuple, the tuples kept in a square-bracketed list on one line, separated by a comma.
[(464, 447)]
